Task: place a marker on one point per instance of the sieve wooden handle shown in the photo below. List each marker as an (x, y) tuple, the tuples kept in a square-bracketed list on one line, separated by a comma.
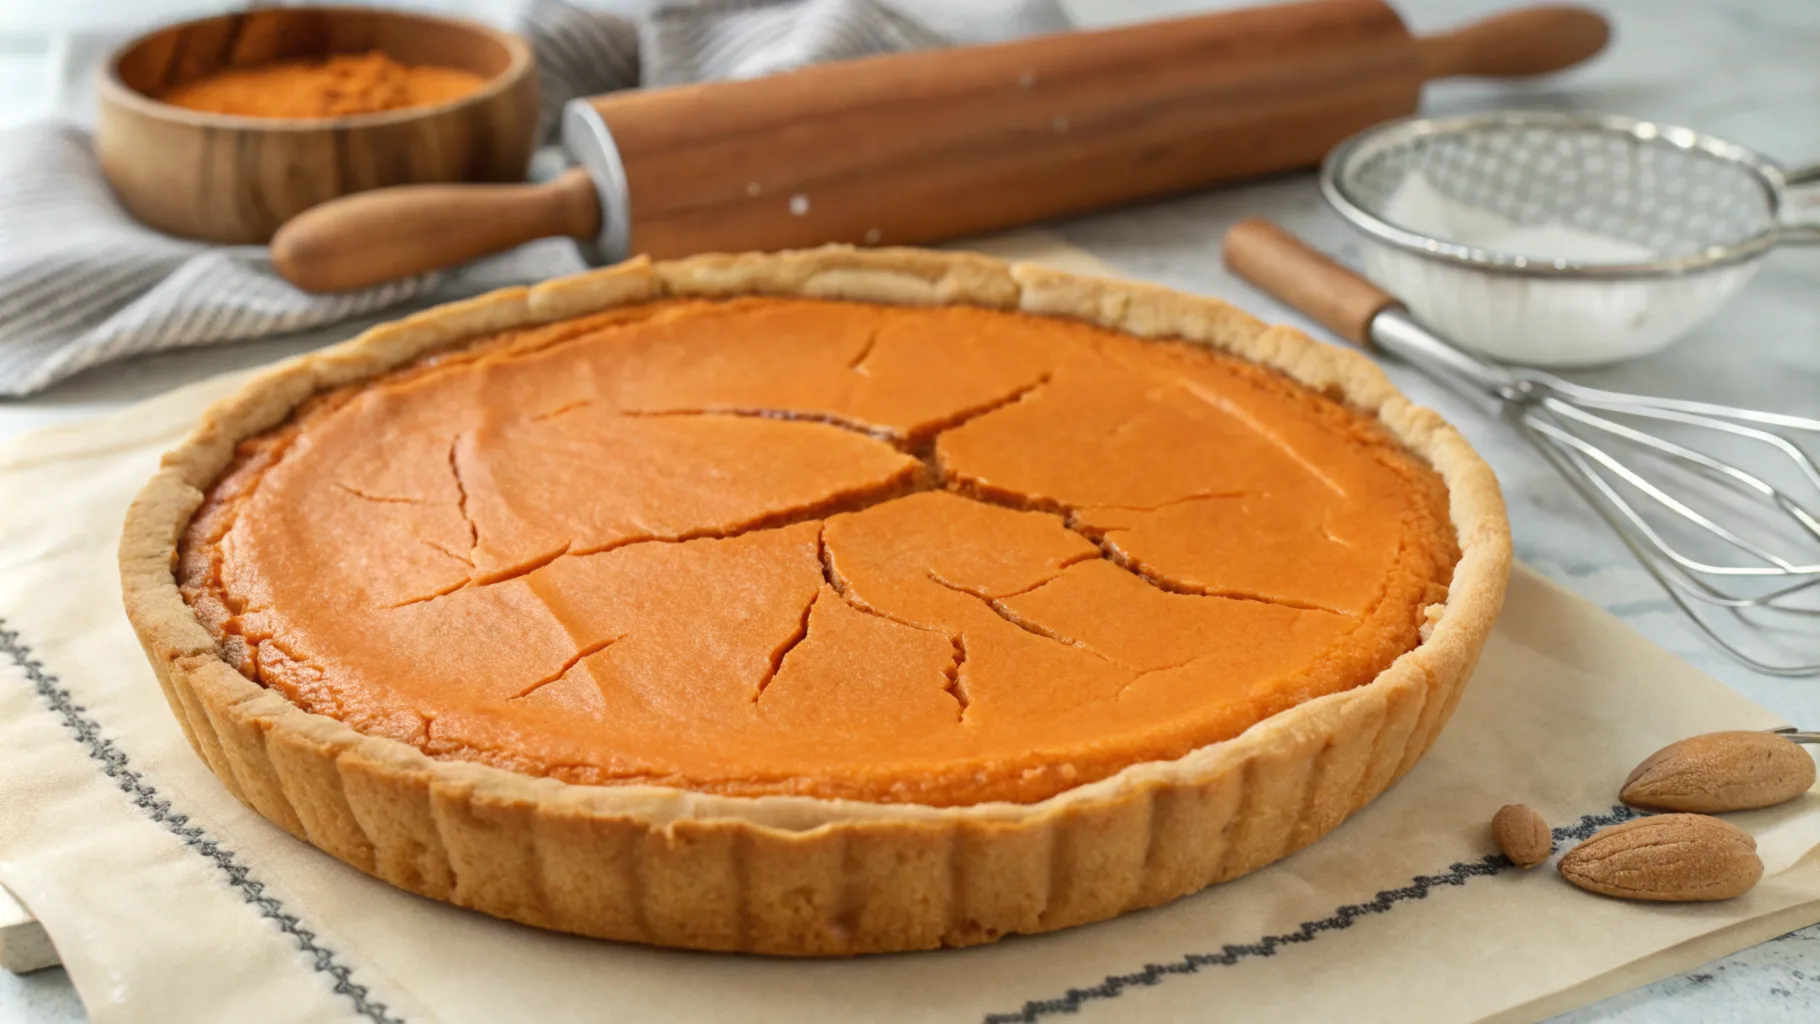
[(1308, 281)]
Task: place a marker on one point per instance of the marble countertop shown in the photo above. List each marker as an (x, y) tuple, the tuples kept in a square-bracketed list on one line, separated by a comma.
[(1740, 69)]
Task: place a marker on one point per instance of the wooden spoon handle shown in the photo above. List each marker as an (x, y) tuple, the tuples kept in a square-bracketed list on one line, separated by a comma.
[(1527, 41), (1314, 285), (372, 237)]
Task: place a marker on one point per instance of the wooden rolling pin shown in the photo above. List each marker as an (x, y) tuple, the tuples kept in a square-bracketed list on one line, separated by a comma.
[(936, 144)]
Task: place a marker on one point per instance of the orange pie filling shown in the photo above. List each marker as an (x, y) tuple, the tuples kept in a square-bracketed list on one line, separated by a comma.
[(767, 546)]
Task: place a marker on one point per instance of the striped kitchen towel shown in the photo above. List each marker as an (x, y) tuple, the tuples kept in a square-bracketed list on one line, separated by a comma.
[(82, 283)]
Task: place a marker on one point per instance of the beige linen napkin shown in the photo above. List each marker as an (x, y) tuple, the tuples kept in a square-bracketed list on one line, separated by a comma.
[(171, 901)]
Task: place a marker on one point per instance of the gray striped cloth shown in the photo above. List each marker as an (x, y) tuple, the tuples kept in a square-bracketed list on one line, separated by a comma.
[(82, 283)]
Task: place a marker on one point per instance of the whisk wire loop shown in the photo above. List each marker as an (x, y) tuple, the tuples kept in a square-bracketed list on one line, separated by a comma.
[(1598, 440), (1682, 589), (1702, 462)]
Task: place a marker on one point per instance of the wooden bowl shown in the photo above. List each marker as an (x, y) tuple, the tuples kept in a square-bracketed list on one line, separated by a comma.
[(232, 179)]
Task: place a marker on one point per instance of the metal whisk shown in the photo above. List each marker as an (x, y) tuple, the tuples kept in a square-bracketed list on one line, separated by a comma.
[(1737, 549)]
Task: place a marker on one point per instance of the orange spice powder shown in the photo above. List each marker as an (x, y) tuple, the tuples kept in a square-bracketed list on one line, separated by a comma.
[(337, 86)]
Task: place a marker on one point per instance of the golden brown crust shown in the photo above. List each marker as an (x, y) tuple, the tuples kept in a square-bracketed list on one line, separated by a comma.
[(798, 875)]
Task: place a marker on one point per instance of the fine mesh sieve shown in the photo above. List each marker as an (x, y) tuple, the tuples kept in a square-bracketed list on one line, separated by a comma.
[(1560, 239)]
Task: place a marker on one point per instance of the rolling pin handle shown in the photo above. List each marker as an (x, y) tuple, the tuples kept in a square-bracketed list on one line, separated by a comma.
[(373, 237), (1516, 44)]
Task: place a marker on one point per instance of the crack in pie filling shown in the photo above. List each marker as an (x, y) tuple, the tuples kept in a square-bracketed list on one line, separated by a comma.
[(777, 545), (816, 603)]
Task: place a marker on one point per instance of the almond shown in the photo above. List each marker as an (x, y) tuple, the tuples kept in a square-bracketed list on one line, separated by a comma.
[(1522, 835), (1670, 857), (1720, 771)]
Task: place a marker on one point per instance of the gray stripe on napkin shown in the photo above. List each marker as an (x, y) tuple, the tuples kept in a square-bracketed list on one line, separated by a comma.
[(82, 283), (580, 52), (752, 38)]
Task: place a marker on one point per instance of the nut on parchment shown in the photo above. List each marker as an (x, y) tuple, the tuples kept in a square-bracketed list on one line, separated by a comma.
[(1667, 857), (1720, 771), (1522, 835)]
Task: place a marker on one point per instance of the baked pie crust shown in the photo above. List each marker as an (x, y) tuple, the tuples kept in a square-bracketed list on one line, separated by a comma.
[(793, 874)]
